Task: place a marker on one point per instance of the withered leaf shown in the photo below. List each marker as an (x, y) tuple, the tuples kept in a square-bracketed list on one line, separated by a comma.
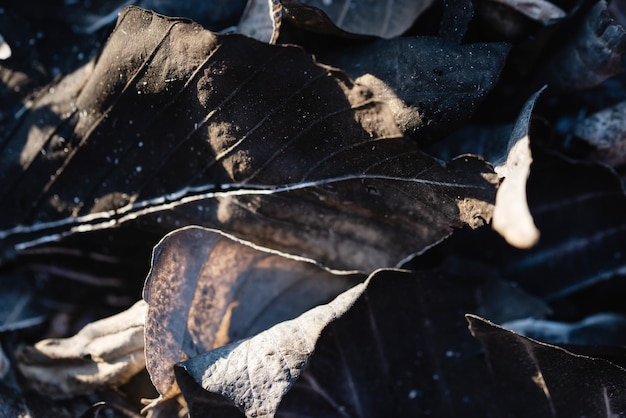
[(206, 289), (539, 379), (384, 19), (225, 131), (105, 353)]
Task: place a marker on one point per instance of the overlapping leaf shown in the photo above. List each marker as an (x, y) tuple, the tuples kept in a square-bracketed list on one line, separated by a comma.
[(579, 209), (228, 132), (394, 345), (206, 289), (544, 380)]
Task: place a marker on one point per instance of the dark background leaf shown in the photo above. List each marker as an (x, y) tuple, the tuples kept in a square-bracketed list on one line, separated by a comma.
[(530, 376), (440, 84), (579, 209), (385, 19)]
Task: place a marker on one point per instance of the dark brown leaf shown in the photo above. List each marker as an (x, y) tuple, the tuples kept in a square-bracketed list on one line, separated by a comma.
[(591, 54), (226, 131)]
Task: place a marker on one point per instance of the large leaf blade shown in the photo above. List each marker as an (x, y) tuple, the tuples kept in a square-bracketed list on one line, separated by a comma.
[(189, 102)]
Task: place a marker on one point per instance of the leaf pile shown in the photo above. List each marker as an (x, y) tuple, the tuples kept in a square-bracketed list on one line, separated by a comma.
[(353, 208)]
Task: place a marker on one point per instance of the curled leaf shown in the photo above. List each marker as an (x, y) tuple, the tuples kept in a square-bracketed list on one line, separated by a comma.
[(5, 49), (511, 217), (105, 353), (593, 53)]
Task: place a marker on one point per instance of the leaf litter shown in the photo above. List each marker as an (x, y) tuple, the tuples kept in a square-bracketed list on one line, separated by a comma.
[(279, 183)]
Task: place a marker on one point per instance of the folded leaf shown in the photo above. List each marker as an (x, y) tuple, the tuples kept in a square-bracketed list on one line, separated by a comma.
[(511, 216)]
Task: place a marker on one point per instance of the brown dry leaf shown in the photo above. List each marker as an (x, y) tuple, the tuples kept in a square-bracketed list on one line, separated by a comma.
[(225, 131), (105, 353), (206, 289)]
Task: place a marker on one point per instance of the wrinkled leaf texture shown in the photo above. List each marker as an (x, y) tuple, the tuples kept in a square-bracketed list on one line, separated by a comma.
[(396, 345), (206, 289), (176, 125)]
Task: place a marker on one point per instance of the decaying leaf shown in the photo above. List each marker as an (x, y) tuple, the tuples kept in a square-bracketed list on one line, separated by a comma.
[(226, 131), (539, 379), (511, 216), (606, 131), (206, 289), (384, 19), (105, 353), (431, 84)]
